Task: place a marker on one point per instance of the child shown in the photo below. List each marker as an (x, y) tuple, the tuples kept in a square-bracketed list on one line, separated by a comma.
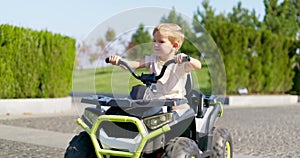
[(167, 40)]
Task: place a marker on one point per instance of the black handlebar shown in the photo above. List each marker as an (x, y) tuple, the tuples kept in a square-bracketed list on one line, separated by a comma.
[(184, 59), (121, 62), (148, 79)]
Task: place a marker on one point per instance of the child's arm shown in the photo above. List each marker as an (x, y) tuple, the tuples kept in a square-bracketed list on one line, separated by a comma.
[(114, 60), (194, 64)]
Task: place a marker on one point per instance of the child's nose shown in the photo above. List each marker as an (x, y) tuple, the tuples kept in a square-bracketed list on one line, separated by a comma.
[(156, 44)]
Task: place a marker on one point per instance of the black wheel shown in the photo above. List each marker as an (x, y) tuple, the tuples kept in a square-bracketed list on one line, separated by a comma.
[(181, 147), (222, 144), (81, 146)]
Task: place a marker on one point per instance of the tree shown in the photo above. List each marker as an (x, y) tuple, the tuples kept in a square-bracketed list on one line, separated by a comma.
[(242, 16), (282, 18), (110, 35), (296, 67), (296, 49), (93, 51), (295, 6), (253, 56), (140, 44), (82, 49), (102, 46), (206, 25)]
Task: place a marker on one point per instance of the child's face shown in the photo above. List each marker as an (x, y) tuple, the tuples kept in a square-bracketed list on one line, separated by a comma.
[(162, 45)]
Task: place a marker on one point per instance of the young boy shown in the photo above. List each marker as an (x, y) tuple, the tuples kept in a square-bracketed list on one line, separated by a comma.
[(167, 40)]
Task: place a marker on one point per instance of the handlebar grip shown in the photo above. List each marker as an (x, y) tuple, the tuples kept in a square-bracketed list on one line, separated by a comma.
[(107, 60), (120, 61)]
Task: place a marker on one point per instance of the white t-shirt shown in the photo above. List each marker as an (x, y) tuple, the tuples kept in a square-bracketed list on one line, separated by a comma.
[(172, 84)]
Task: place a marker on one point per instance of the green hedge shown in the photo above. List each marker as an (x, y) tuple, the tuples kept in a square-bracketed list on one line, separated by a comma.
[(258, 60), (35, 64)]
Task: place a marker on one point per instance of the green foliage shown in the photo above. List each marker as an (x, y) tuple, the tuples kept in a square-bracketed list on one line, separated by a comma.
[(284, 19), (296, 67), (281, 18), (256, 59), (110, 35), (35, 64), (242, 16), (140, 44)]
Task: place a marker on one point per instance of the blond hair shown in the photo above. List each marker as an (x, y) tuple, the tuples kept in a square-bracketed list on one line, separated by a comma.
[(172, 31)]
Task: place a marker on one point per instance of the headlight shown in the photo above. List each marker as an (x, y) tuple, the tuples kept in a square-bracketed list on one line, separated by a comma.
[(90, 116), (157, 121)]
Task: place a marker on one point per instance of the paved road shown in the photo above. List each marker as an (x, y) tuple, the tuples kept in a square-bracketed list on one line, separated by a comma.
[(265, 132), (257, 132)]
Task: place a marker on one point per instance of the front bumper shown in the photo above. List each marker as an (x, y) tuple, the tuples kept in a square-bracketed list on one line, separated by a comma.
[(136, 145)]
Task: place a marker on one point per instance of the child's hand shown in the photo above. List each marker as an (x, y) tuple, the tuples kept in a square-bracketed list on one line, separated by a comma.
[(114, 59), (178, 57)]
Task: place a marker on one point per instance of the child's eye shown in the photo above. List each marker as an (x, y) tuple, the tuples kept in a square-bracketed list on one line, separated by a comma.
[(159, 41)]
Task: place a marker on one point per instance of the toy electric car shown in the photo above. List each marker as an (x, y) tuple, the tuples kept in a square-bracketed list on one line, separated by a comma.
[(133, 127)]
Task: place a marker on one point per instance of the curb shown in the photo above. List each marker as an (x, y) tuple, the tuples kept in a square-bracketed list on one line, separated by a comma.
[(34, 106), (56, 105), (261, 100)]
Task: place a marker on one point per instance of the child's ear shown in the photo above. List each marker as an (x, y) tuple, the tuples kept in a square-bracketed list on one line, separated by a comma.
[(176, 45)]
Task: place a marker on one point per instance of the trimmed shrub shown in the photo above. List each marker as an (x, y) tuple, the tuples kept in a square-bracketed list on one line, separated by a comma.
[(257, 60), (35, 64)]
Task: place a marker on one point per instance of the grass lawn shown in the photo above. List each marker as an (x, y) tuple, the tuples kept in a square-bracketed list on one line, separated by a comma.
[(101, 80)]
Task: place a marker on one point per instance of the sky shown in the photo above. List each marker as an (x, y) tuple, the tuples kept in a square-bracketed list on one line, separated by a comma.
[(77, 18)]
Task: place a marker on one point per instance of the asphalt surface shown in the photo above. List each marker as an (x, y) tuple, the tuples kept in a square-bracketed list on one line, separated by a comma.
[(264, 132)]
